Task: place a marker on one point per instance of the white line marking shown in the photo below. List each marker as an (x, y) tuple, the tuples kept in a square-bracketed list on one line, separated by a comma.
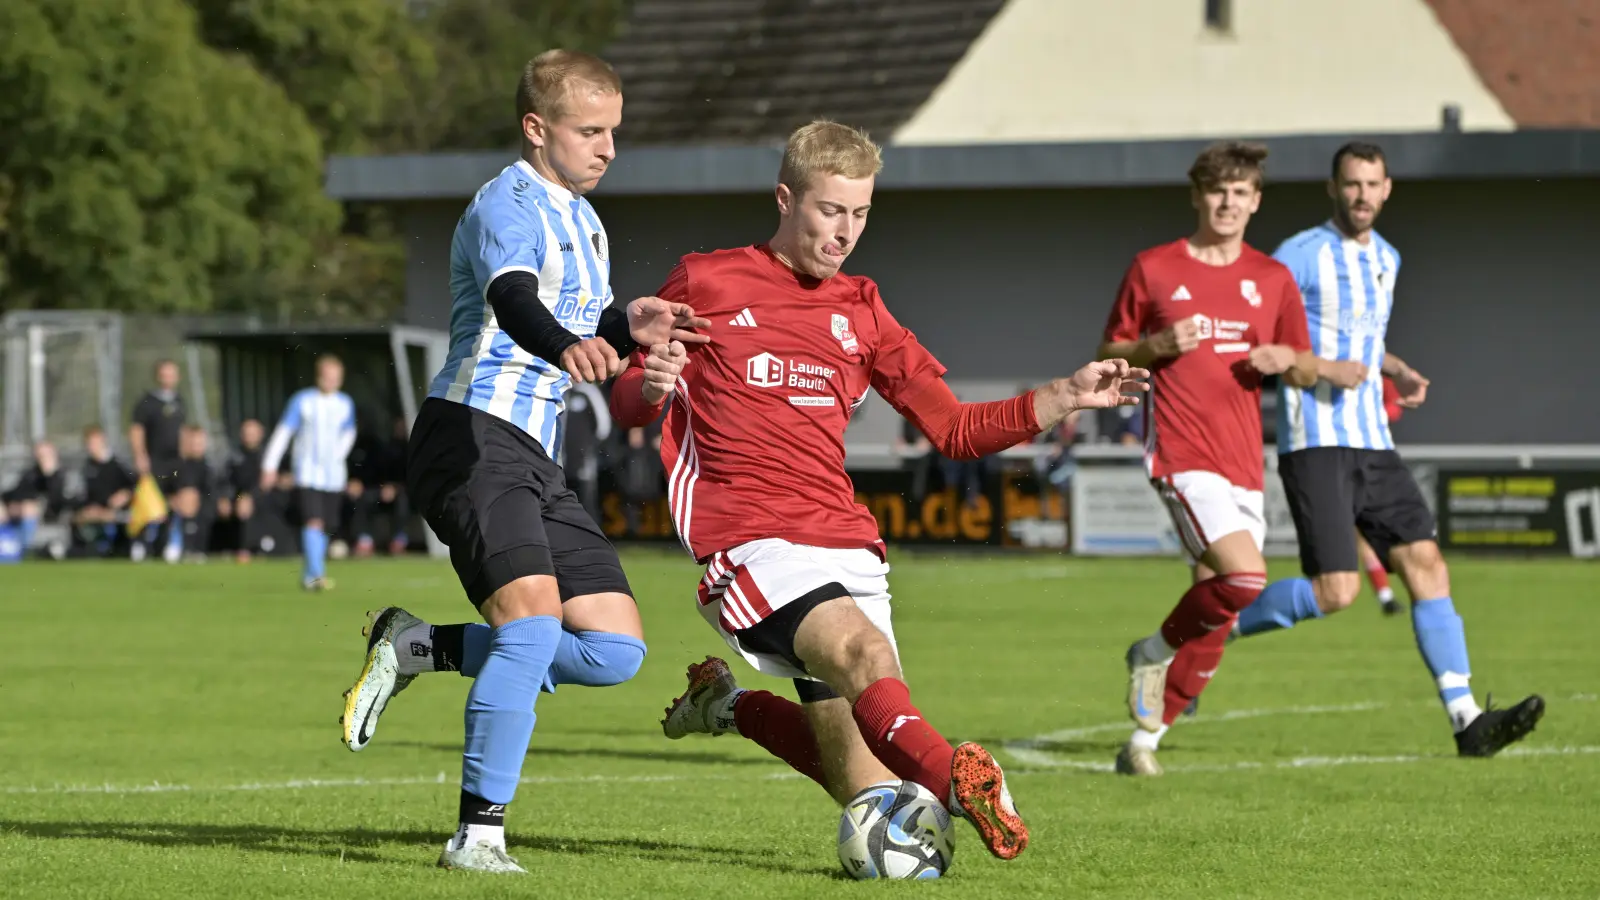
[(1058, 766), (296, 784)]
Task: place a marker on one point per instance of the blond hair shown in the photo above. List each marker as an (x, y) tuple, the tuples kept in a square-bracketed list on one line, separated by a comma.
[(1228, 161), (550, 80), (828, 148)]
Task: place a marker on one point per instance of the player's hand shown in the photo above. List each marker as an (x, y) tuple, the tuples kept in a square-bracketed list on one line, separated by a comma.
[(268, 480), (1183, 336), (661, 369), (591, 360), (1412, 386), (1101, 385), (652, 321), (1272, 359), (1343, 373)]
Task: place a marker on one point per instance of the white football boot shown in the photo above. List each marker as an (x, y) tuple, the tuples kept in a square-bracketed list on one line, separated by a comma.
[(380, 677), (480, 857), (1137, 760), (705, 707)]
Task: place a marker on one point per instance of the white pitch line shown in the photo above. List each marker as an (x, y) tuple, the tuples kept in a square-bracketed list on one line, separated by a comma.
[(295, 784), (1060, 766)]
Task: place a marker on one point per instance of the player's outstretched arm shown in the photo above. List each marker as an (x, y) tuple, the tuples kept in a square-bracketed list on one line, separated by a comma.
[(1104, 384)]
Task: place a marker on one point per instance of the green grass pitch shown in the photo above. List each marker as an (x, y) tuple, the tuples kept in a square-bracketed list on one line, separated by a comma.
[(170, 733)]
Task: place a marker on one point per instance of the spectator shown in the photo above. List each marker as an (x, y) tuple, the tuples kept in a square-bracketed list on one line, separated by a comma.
[(107, 490), (916, 456), (588, 423), (194, 500), (639, 475), (1124, 425), (38, 494), (155, 437), (380, 487), (243, 484), (1057, 467)]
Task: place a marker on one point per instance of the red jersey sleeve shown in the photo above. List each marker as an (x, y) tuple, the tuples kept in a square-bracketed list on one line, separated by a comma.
[(901, 366), (627, 403), (1291, 329), (1128, 314)]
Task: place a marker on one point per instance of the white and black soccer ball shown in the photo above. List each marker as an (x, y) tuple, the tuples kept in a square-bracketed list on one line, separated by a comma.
[(895, 829)]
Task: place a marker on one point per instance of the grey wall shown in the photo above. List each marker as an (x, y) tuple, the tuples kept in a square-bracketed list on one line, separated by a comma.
[(1496, 302)]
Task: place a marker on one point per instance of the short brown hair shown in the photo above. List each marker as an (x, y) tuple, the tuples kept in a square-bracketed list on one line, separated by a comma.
[(1360, 150), (828, 148), (1227, 161), (550, 79)]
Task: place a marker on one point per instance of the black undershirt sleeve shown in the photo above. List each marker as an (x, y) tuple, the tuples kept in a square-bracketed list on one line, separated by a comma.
[(514, 297)]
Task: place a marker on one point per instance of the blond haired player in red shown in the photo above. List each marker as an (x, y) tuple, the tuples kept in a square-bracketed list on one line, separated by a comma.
[(1210, 315), (796, 577)]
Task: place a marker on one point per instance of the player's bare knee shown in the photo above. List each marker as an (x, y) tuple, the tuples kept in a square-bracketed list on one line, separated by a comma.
[(840, 645), (1336, 590), (530, 595)]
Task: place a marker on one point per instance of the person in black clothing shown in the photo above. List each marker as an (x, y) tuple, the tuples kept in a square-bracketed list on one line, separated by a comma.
[(155, 435), (587, 422), (107, 491), (193, 503), (238, 499), (639, 475), (379, 485), (39, 493), (916, 456)]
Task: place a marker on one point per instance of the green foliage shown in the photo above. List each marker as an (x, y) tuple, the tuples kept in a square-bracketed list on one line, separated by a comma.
[(480, 47), (141, 170)]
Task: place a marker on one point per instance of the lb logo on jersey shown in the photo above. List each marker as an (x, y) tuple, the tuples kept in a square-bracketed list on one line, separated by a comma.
[(1247, 289), (843, 334), (764, 370)]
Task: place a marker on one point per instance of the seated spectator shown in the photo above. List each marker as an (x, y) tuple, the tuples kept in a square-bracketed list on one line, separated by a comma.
[(108, 485), (916, 456), (236, 501), (379, 487), (193, 504), (38, 494), (1058, 466)]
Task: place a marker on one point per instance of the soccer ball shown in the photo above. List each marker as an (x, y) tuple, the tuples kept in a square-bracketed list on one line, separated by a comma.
[(895, 829)]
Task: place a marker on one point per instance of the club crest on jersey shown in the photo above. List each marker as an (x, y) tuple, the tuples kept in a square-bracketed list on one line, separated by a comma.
[(1248, 289), (599, 241), (843, 334)]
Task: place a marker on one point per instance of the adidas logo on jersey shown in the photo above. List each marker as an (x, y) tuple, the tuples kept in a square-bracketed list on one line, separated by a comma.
[(743, 318), (1182, 293)]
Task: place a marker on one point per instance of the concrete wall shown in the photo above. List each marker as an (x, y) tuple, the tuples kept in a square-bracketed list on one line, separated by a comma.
[(1074, 70), (1497, 299)]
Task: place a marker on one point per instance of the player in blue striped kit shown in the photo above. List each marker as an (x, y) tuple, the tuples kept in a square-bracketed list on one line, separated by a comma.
[(530, 277), (321, 421), (1337, 459)]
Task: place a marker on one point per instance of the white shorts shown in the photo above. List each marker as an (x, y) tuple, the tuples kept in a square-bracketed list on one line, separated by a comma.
[(1205, 506), (745, 584)]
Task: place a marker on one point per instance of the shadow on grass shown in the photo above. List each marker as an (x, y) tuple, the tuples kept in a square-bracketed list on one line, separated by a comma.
[(358, 845), (691, 757)]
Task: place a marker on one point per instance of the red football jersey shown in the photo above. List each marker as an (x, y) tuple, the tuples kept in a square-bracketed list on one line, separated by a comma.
[(753, 441), (1204, 407)]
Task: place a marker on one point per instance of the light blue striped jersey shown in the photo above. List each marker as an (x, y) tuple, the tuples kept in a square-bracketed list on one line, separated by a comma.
[(521, 222), (323, 428), (1348, 289)]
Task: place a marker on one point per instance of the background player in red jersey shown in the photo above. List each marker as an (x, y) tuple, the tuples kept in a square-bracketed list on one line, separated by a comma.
[(796, 577), (1210, 316)]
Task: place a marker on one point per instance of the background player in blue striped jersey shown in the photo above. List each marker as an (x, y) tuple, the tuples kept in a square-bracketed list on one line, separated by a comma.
[(1338, 462), (321, 421), (530, 277)]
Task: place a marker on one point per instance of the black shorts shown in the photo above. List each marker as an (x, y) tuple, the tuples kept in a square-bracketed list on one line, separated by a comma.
[(324, 505), (494, 497), (1335, 491)]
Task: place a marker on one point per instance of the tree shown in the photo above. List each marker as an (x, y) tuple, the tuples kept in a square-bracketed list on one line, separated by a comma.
[(480, 47), (346, 63), (140, 170)]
